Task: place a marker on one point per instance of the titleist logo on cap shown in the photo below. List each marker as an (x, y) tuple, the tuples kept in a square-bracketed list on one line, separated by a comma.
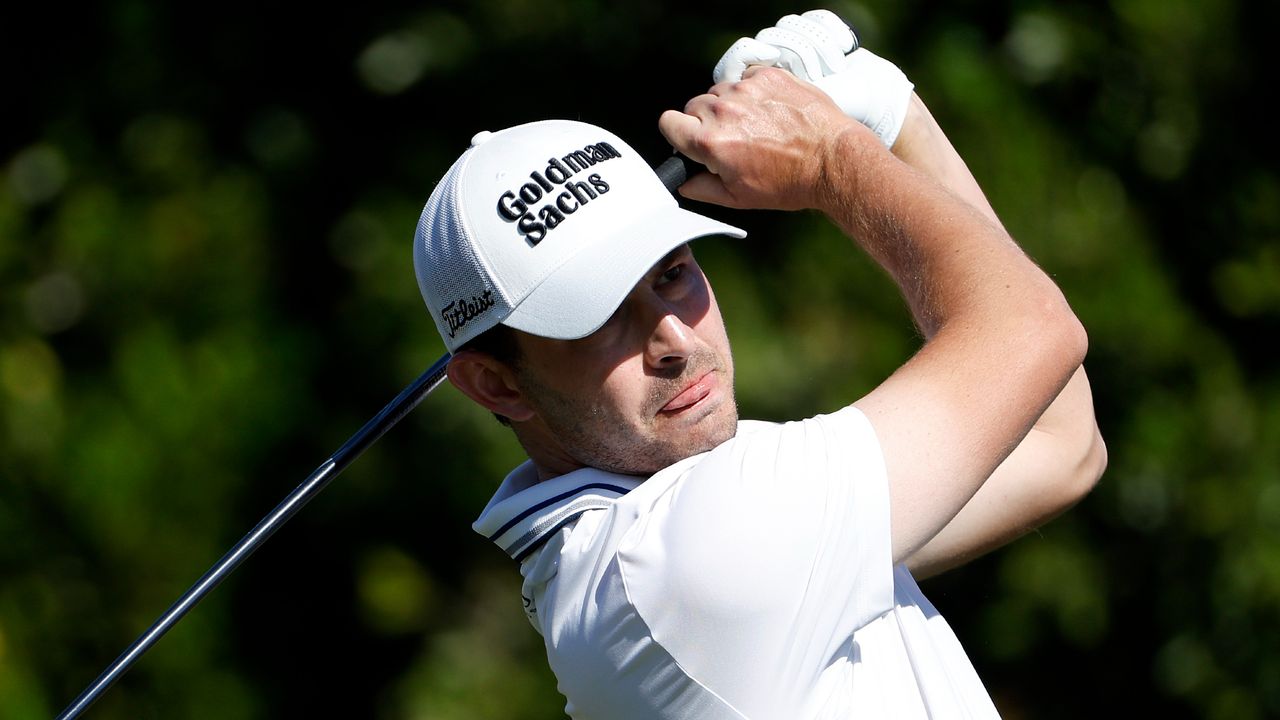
[(460, 312), (517, 206)]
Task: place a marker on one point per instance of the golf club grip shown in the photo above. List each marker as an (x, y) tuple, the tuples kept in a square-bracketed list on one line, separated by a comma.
[(675, 170)]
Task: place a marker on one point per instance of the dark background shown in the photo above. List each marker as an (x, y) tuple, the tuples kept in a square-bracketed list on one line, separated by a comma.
[(206, 287)]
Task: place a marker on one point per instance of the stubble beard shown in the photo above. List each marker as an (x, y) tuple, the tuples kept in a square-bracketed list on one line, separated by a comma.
[(599, 435)]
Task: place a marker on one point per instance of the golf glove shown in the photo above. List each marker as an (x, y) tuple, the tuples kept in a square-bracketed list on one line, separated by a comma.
[(819, 47)]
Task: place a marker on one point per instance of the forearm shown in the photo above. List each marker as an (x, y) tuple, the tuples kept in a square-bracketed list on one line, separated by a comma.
[(924, 219), (923, 145)]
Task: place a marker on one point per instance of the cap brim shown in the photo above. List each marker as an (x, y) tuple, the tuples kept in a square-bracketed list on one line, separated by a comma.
[(579, 296)]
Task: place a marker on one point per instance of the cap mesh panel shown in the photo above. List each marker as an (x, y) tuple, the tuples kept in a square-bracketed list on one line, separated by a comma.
[(448, 269)]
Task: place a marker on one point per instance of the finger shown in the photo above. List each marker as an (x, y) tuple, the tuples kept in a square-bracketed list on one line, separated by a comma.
[(700, 106), (798, 53), (755, 70), (723, 88), (709, 188), (841, 34), (828, 48), (679, 129), (742, 54)]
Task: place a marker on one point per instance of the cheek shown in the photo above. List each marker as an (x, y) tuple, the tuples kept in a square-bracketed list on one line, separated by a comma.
[(623, 389), (711, 326)]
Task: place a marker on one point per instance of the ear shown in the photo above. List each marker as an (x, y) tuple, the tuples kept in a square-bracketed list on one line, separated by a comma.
[(490, 383)]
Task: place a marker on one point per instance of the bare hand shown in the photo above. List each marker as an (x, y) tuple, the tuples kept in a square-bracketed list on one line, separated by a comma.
[(767, 141)]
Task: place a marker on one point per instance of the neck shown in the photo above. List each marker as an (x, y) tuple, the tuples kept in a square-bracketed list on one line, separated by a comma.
[(548, 456)]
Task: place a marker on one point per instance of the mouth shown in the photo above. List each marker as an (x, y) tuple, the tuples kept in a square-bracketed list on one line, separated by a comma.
[(692, 396)]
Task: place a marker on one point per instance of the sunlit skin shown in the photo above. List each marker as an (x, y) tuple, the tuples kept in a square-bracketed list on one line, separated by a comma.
[(652, 386)]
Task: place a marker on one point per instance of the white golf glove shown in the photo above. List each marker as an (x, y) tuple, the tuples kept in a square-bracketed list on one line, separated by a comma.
[(819, 47)]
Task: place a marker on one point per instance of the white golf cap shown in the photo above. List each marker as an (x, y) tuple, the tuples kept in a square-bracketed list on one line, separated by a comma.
[(546, 228)]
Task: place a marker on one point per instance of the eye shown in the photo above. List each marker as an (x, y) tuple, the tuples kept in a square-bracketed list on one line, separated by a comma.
[(671, 275)]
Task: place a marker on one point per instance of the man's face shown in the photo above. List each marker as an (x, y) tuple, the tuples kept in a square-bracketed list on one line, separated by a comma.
[(654, 385)]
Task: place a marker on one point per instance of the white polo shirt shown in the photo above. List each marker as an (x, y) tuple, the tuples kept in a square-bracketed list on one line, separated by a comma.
[(752, 581)]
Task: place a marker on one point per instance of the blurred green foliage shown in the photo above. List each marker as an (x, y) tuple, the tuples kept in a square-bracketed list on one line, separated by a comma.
[(206, 286)]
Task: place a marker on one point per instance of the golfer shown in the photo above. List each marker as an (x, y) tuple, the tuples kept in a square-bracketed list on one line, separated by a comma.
[(678, 561)]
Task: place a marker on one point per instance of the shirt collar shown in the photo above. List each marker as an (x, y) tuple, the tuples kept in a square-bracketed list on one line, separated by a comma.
[(525, 512)]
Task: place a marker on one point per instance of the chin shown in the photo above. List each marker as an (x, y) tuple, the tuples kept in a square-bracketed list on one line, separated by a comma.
[(709, 433), (722, 430), (647, 451)]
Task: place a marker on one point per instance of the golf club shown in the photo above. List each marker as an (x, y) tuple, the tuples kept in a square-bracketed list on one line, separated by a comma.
[(672, 172)]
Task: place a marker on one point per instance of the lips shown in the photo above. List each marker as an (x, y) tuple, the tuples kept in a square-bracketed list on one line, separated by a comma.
[(695, 393)]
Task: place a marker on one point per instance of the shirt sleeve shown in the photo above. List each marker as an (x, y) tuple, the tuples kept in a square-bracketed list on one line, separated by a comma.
[(757, 565)]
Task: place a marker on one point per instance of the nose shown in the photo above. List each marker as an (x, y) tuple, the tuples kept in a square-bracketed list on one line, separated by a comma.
[(670, 343)]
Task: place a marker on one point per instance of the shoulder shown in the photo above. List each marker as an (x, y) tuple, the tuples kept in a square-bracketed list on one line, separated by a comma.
[(769, 498), (783, 529), (799, 453)]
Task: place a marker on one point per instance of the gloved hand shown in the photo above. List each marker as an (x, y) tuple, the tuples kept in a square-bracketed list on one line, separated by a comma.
[(819, 47)]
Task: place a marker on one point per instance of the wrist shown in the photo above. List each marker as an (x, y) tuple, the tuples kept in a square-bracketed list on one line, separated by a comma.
[(845, 157), (872, 91), (919, 131)]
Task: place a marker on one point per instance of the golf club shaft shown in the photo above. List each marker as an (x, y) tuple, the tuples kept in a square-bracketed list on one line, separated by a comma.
[(402, 405), (673, 172)]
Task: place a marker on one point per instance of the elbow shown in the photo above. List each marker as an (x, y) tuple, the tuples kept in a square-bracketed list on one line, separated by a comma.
[(1078, 343), (1087, 450), (1073, 338), (1077, 472), (1092, 465), (1086, 472), (1062, 337)]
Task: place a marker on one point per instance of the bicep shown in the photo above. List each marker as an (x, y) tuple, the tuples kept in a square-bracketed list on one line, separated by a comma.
[(947, 419)]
